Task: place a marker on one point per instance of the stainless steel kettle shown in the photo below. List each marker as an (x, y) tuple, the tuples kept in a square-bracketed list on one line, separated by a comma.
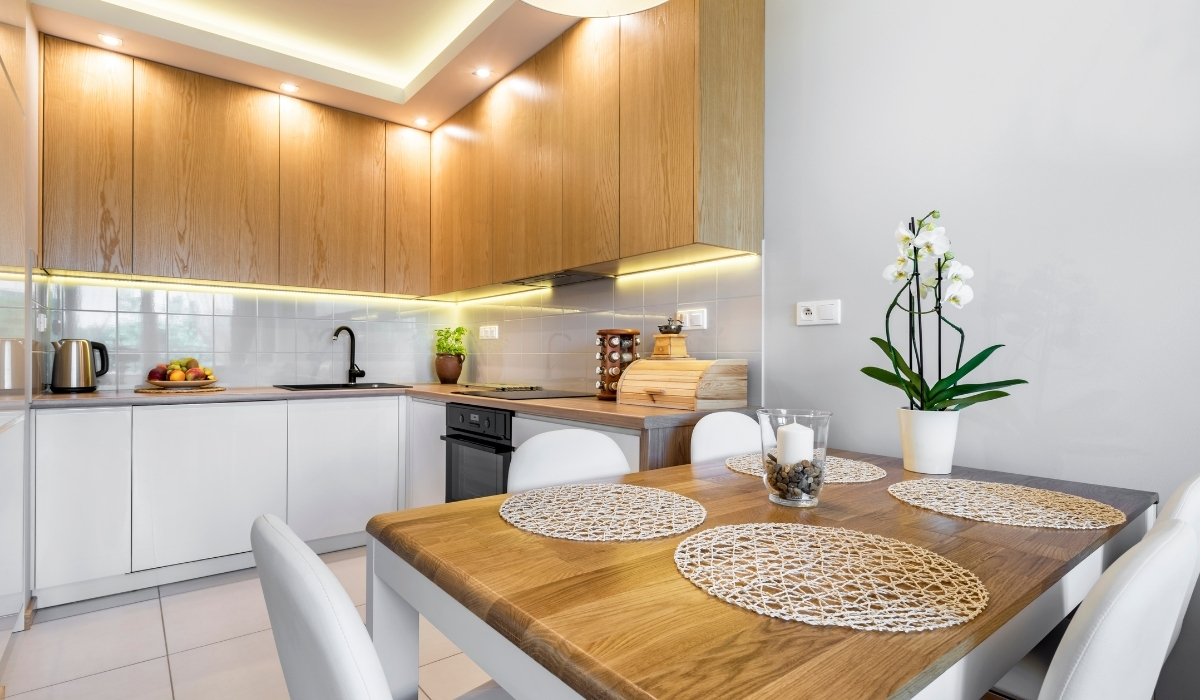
[(74, 371)]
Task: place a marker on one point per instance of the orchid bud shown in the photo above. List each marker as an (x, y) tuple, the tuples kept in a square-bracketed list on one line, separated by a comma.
[(937, 214), (949, 255)]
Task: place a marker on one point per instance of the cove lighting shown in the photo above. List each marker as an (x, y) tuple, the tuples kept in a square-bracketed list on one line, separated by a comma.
[(110, 40), (482, 72), (421, 121), (594, 8), (289, 87)]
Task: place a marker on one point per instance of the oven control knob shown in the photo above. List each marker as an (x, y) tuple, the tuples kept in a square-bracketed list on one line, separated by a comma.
[(599, 370), (462, 419), (614, 371), (487, 422)]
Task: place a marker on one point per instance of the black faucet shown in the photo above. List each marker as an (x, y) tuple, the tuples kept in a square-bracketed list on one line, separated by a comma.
[(355, 372)]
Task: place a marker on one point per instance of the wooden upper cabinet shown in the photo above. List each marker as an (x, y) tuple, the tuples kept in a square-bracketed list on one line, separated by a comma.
[(87, 158), (12, 148), (527, 206), (461, 215), (331, 198), (591, 153), (406, 246), (206, 177)]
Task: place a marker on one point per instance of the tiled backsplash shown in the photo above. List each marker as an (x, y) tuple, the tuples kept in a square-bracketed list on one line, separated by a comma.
[(549, 336), (260, 338)]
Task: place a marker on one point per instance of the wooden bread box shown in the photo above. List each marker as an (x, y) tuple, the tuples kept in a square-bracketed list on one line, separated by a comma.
[(690, 385)]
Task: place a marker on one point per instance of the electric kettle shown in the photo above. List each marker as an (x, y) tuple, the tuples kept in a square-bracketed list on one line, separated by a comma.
[(74, 371)]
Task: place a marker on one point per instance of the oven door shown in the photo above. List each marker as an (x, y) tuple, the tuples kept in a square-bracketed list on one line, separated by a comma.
[(475, 468)]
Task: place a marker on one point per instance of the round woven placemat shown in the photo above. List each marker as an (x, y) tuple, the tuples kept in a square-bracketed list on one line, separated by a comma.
[(1007, 504), (601, 512), (831, 576), (838, 470)]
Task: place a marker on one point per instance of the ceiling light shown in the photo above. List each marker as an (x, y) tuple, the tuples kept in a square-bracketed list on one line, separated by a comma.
[(421, 121), (289, 87), (482, 72), (594, 8), (110, 40)]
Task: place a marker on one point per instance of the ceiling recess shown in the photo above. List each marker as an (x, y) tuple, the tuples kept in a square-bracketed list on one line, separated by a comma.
[(594, 8)]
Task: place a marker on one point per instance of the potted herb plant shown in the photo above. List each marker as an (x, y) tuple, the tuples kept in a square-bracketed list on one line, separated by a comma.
[(450, 354), (931, 277)]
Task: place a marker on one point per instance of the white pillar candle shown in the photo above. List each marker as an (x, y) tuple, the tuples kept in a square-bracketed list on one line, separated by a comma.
[(795, 443)]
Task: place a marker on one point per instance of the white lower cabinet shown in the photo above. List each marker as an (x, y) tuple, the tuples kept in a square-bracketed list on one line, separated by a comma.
[(426, 453), (201, 474), (12, 468), (343, 463), (82, 502)]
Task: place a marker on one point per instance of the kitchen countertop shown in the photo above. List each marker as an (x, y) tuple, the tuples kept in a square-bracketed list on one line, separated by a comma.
[(583, 410)]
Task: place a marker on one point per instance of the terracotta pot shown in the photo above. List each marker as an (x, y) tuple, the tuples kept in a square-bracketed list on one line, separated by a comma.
[(927, 440), (449, 366)]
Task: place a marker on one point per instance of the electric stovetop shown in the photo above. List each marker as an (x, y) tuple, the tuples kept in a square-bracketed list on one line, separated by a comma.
[(525, 395)]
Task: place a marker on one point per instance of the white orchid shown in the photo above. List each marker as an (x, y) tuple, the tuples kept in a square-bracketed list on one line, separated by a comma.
[(928, 285), (933, 242), (955, 272), (958, 295), (903, 236), (897, 273)]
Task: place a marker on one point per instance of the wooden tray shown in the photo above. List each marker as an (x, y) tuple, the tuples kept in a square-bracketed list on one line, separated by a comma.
[(195, 384)]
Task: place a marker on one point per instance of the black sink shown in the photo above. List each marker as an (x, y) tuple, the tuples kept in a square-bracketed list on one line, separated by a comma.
[(326, 387)]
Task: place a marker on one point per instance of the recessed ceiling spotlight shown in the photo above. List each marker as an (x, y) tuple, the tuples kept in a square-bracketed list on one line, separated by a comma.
[(110, 40), (289, 87), (482, 72), (421, 121)]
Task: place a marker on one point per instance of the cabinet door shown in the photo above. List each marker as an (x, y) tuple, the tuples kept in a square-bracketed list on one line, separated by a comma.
[(201, 475), (87, 158), (343, 464), (82, 483), (658, 127), (527, 163), (591, 142), (12, 149), (407, 213), (12, 509), (206, 177), (461, 190), (426, 454), (331, 184)]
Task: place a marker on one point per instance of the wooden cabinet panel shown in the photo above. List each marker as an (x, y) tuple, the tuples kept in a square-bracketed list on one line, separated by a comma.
[(461, 215), (407, 212), (658, 127), (12, 147), (527, 161), (206, 177), (87, 158), (591, 142), (331, 198)]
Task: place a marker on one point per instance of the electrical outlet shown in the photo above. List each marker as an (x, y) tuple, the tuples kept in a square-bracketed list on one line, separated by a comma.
[(696, 319), (819, 313), (489, 332)]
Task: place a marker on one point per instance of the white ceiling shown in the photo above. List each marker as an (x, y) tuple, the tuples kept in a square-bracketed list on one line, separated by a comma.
[(393, 59)]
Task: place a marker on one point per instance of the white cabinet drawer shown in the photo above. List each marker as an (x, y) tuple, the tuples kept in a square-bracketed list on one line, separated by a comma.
[(343, 463), (201, 474), (82, 502)]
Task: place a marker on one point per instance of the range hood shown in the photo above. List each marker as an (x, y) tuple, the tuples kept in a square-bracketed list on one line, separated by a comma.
[(558, 279)]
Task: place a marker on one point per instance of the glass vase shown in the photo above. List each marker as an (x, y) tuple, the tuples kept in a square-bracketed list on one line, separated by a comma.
[(794, 459)]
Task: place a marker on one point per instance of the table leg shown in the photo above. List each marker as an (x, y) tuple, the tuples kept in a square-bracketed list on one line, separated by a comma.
[(393, 625)]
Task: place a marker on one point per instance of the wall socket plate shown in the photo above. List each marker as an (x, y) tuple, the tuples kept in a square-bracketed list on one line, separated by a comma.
[(696, 319), (827, 312), (489, 332)]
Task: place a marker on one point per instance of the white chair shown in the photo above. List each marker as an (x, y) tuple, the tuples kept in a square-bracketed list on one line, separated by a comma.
[(323, 645), (565, 457), (725, 434), (1024, 681), (1117, 642)]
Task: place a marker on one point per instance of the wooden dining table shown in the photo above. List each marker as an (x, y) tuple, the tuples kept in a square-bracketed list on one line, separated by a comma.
[(551, 618)]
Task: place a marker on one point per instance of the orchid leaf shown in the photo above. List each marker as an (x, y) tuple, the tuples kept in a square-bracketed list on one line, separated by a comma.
[(963, 371), (962, 403), (961, 389), (888, 377), (915, 379)]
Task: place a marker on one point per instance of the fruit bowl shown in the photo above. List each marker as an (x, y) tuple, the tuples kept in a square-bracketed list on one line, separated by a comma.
[(195, 384)]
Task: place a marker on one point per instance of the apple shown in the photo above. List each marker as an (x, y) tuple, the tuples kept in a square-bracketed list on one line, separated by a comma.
[(160, 366), (157, 374), (195, 374), (177, 375)]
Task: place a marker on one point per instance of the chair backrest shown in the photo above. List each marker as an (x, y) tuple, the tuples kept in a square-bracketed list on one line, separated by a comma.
[(1184, 505), (323, 645), (1116, 644), (565, 457), (720, 435)]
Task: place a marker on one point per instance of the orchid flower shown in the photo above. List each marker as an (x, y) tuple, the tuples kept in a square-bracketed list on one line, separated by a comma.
[(934, 243), (956, 272), (897, 273), (928, 285), (903, 236), (958, 295)]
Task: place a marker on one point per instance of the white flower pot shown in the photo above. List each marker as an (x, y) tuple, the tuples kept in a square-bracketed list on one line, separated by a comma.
[(927, 439)]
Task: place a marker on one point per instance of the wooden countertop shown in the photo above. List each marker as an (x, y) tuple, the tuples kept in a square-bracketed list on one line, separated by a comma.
[(617, 620), (583, 410)]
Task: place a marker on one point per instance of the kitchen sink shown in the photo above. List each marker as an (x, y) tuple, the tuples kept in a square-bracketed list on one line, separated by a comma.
[(324, 387)]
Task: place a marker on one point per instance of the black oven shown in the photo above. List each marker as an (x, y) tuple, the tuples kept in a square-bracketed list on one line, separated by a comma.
[(478, 451)]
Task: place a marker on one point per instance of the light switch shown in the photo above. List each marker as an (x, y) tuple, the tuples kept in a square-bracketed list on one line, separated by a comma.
[(489, 332), (696, 319), (819, 313)]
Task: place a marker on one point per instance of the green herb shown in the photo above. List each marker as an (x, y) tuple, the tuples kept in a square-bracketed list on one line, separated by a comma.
[(449, 341)]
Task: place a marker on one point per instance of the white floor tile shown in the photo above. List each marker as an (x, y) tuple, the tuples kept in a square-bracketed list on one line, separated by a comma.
[(350, 567), (433, 645), (208, 615), (449, 678), (83, 645), (148, 680), (245, 668)]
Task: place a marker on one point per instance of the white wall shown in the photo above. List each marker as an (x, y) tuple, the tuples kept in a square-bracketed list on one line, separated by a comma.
[(1061, 141)]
